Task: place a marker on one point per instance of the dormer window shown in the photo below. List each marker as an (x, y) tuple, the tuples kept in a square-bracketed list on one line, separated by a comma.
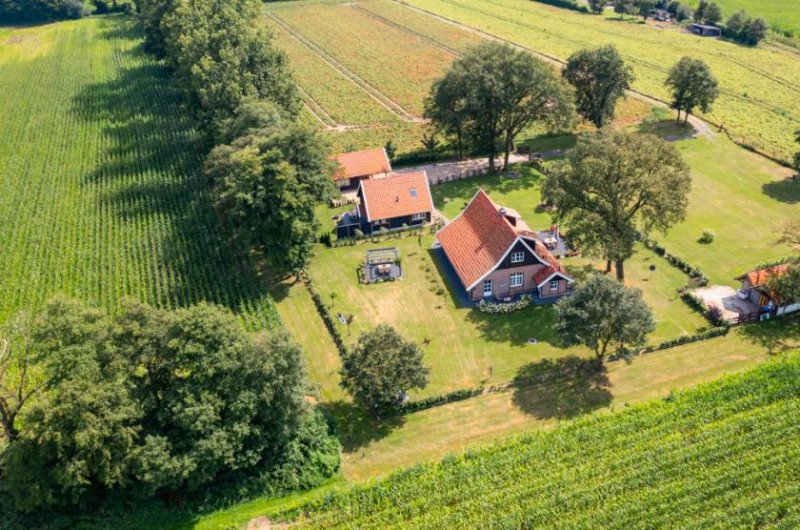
[(517, 257)]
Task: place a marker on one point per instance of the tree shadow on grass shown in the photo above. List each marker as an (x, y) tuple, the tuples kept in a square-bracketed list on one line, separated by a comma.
[(357, 429), (668, 130), (151, 190), (561, 388), (786, 190), (775, 336)]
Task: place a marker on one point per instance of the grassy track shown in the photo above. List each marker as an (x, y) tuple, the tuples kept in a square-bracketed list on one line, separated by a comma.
[(725, 455), (101, 192)]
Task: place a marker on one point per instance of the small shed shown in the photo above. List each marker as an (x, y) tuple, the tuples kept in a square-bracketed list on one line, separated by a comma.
[(705, 30), (383, 264)]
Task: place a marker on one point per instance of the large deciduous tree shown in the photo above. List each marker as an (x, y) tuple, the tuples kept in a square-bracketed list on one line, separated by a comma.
[(79, 436), (20, 378), (380, 368), (600, 78), (708, 12), (153, 401), (614, 186), (597, 6), (16, 11), (785, 287), (267, 182), (604, 315), (493, 93), (693, 85)]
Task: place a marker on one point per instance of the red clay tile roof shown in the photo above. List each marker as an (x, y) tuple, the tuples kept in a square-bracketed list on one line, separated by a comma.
[(542, 274), (396, 196), (476, 240), (362, 163), (759, 277)]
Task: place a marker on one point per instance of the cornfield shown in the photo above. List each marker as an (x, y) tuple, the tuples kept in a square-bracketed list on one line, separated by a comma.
[(101, 190), (726, 455)]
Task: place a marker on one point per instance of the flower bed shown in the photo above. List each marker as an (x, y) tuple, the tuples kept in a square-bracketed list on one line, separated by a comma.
[(496, 308)]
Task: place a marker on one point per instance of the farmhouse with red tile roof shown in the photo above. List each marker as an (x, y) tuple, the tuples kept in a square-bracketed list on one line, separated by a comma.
[(496, 255), (361, 165), (389, 203)]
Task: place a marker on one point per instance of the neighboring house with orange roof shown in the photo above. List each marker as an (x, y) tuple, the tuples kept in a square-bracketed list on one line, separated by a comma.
[(361, 165), (755, 289), (495, 254), (389, 203)]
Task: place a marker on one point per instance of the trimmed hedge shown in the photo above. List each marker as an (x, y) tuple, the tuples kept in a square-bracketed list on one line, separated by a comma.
[(693, 272), (442, 399), (327, 318), (711, 333), (566, 4)]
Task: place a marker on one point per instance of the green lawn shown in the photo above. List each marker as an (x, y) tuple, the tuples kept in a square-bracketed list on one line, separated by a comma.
[(743, 198), (463, 347)]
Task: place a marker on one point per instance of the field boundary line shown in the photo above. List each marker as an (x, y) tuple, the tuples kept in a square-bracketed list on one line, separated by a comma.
[(429, 40), (385, 101), (316, 109)]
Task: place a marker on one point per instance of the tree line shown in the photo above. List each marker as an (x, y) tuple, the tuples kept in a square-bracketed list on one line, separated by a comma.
[(26, 11), (266, 170)]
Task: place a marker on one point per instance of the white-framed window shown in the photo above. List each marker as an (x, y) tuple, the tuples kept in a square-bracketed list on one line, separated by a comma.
[(554, 285), (487, 287), (516, 279), (517, 257), (419, 216)]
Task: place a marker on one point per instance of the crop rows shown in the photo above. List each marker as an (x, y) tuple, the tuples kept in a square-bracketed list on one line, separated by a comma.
[(439, 33), (723, 456), (398, 64), (342, 99), (759, 85), (101, 187)]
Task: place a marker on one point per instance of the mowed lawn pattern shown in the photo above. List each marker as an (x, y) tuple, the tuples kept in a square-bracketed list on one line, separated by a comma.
[(101, 187)]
